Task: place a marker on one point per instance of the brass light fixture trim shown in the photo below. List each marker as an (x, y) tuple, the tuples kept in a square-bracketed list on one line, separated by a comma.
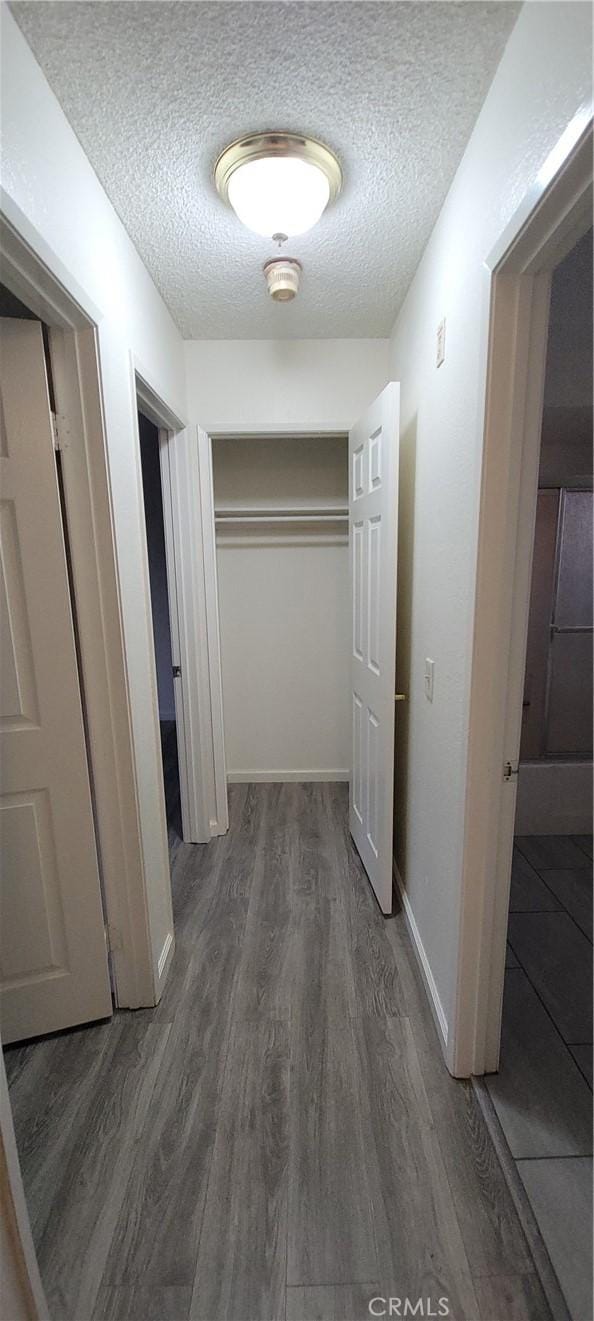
[(256, 146)]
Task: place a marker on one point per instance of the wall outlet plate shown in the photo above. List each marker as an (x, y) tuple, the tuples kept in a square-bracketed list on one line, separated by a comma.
[(441, 332)]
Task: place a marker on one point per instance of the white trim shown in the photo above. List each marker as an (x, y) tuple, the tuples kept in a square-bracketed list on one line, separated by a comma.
[(211, 603), (39, 278), (142, 393), (32, 271), (199, 529), (152, 404), (437, 1009), (195, 677), (186, 520), (556, 211), (183, 514), (285, 777), (166, 444), (75, 368), (538, 219)]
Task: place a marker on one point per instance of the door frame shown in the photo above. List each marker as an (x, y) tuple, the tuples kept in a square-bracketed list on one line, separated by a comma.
[(210, 678), (174, 444), (555, 213), (166, 440), (44, 285)]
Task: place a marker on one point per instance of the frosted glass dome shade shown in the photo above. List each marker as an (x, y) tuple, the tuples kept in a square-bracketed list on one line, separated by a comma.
[(278, 183), (279, 195)]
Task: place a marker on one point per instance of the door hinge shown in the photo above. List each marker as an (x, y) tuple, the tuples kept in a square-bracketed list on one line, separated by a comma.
[(61, 432), (509, 770)]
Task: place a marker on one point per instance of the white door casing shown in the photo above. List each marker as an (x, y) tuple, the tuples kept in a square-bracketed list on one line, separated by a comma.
[(373, 534), (165, 440), (53, 955)]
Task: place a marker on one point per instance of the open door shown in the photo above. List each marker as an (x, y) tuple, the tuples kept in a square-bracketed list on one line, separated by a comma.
[(53, 956), (373, 534)]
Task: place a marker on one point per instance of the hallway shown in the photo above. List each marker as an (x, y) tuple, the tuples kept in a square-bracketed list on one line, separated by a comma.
[(279, 1138)]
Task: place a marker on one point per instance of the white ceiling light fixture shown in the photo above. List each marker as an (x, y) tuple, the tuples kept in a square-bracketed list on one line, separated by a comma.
[(278, 184)]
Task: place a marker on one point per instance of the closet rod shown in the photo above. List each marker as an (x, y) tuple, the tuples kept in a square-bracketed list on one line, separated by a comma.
[(278, 511), (281, 518)]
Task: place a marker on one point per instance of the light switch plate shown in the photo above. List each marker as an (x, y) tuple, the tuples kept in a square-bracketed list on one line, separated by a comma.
[(429, 679), (441, 332)]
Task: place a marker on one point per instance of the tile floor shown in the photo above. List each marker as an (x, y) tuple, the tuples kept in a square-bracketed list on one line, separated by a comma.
[(542, 1093)]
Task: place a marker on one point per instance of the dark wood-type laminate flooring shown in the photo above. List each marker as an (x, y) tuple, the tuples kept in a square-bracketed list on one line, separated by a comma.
[(279, 1138)]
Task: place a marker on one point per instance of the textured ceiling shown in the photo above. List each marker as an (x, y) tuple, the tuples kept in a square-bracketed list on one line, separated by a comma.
[(155, 90)]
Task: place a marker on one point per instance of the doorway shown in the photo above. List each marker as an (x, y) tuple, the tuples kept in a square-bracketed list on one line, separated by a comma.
[(542, 1090), (307, 614), (518, 271), (54, 952), (281, 526), (166, 672)]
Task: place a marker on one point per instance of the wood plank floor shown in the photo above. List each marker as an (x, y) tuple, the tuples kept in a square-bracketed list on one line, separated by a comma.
[(279, 1139)]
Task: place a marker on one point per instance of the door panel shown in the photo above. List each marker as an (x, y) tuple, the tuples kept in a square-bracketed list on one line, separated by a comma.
[(373, 526), (53, 957)]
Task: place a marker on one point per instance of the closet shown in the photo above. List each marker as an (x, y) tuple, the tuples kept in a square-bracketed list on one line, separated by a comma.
[(281, 522)]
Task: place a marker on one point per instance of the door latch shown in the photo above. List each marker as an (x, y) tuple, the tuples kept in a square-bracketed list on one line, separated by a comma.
[(176, 671), (509, 771)]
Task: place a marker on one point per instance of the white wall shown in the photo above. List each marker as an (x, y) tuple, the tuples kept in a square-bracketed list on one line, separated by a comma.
[(284, 612), (49, 178), (543, 78), (289, 384)]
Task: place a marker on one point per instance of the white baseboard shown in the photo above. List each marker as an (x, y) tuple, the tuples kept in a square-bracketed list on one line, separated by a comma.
[(216, 828), (285, 777), (164, 962), (437, 1009)]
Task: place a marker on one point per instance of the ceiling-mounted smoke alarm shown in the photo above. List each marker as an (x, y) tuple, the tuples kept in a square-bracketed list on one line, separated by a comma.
[(282, 278), (278, 183)]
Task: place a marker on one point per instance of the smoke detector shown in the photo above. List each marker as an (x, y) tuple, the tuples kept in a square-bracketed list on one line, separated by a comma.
[(282, 278)]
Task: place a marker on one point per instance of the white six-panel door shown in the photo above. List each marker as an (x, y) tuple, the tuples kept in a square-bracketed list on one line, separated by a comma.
[(53, 957), (373, 535)]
